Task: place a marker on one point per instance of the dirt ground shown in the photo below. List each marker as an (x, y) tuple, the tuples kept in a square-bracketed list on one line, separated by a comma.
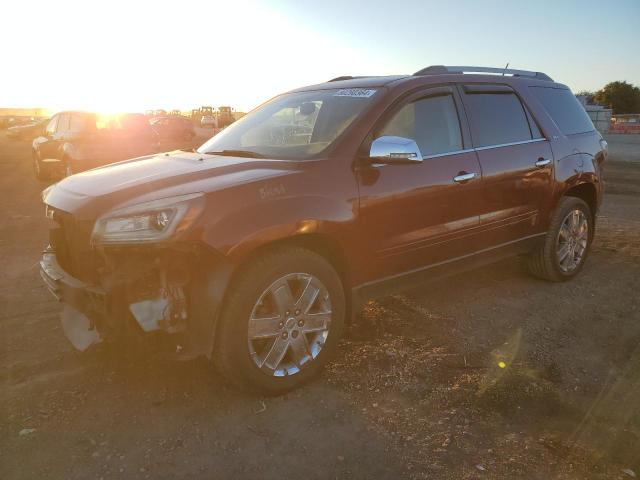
[(417, 391)]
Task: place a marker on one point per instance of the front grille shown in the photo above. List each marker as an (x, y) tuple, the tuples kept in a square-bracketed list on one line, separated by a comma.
[(71, 239)]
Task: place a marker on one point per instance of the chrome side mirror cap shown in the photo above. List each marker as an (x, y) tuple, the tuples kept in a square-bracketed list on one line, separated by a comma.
[(390, 149)]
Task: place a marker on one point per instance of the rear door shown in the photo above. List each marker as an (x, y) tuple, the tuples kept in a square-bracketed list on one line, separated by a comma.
[(417, 214), (41, 143), (516, 161)]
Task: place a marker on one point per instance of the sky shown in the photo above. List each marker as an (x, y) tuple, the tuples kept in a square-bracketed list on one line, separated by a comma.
[(114, 56)]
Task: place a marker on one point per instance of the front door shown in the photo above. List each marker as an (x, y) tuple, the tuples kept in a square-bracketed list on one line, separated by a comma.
[(417, 214), (49, 143)]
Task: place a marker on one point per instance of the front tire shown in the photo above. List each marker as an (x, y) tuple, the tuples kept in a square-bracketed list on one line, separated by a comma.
[(566, 244), (281, 322)]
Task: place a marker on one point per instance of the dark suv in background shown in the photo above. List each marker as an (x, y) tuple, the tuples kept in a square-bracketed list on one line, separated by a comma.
[(72, 142), (173, 127), (258, 247)]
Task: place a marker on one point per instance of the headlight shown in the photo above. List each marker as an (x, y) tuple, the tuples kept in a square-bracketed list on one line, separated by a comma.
[(148, 222)]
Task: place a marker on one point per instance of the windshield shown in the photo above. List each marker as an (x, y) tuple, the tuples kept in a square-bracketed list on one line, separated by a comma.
[(293, 126)]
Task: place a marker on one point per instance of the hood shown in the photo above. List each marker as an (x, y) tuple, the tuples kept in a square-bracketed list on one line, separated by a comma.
[(90, 193)]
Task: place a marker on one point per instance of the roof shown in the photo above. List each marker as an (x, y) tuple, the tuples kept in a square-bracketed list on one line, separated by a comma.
[(438, 73)]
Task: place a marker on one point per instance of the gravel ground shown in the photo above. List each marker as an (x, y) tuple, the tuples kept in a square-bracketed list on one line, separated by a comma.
[(417, 391), (623, 147)]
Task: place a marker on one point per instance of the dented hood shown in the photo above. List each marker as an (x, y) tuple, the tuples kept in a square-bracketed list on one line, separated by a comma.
[(89, 194)]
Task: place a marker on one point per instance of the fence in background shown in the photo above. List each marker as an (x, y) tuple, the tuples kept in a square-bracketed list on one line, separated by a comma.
[(626, 123)]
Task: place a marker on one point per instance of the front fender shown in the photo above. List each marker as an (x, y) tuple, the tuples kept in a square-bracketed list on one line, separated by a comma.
[(68, 151), (242, 231)]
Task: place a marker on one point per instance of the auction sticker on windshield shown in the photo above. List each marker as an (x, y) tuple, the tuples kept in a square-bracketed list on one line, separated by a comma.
[(355, 92)]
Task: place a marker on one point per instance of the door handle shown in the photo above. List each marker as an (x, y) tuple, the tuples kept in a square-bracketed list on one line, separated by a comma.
[(542, 162), (463, 177)]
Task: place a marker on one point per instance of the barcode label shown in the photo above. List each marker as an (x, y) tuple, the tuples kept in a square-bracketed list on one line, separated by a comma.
[(355, 92)]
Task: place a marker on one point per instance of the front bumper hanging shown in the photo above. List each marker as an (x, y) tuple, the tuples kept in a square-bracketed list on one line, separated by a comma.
[(82, 302)]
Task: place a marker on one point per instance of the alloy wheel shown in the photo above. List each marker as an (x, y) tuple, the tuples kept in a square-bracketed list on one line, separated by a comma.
[(289, 324), (572, 241)]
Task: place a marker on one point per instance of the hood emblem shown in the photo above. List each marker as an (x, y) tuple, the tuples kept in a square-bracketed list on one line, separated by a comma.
[(267, 193)]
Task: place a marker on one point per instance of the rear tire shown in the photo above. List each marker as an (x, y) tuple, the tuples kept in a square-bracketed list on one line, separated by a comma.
[(289, 289), (563, 254)]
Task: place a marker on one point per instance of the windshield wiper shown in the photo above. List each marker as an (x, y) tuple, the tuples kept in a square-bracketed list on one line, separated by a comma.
[(236, 153)]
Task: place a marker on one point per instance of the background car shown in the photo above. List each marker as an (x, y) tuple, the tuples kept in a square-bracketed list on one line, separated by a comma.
[(173, 128), (75, 141), (27, 131), (13, 120)]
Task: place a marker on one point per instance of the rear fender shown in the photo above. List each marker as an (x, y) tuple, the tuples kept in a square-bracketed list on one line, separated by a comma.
[(578, 169)]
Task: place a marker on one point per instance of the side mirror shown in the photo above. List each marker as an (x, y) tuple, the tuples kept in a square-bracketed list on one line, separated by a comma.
[(389, 149)]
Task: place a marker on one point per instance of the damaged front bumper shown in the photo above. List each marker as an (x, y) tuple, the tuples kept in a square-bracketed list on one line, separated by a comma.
[(87, 307), (82, 302), (166, 291), (67, 288)]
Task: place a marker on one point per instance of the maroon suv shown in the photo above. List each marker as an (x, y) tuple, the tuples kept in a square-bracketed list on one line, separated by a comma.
[(257, 248)]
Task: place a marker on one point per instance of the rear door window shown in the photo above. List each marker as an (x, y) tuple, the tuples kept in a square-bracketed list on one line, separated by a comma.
[(432, 122), (496, 118), (565, 109)]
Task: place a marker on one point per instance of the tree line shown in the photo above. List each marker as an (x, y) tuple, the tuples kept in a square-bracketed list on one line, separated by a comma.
[(622, 97)]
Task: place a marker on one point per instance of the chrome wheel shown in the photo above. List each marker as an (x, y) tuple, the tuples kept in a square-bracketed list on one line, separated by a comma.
[(572, 241), (289, 324)]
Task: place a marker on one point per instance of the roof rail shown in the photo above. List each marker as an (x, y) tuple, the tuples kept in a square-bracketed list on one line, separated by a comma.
[(444, 69)]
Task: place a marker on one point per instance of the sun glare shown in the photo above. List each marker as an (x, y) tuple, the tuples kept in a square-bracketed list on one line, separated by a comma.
[(200, 54)]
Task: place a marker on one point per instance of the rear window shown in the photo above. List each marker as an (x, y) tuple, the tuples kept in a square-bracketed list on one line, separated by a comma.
[(497, 118), (565, 109)]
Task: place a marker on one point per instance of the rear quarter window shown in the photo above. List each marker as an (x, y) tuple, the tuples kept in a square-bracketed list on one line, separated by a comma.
[(565, 109)]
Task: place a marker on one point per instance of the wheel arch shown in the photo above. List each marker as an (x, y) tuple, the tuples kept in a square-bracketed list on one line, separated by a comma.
[(586, 191), (321, 243)]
